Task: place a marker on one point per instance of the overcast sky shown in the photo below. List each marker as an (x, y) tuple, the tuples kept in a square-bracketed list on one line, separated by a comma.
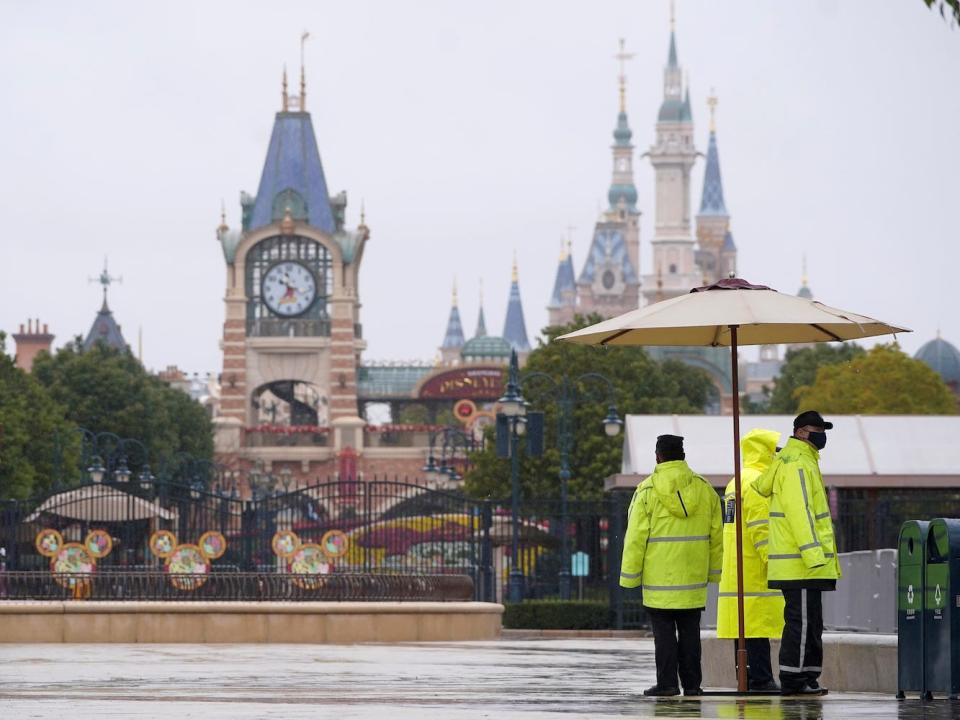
[(471, 130)]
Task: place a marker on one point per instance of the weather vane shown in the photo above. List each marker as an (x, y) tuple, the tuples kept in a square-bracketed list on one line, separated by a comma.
[(105, 279)]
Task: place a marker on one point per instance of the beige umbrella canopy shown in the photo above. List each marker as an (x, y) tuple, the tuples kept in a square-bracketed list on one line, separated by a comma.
[(98, 503), (733, 312)]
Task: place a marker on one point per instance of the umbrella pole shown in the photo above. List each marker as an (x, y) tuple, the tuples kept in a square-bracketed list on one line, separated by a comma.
[(741, 640)]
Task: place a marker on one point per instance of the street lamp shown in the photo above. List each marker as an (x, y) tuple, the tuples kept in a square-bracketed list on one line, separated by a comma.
[(568, 393), (122, 473), (146, 478), (96, 469), (512, 409), (437, 473)]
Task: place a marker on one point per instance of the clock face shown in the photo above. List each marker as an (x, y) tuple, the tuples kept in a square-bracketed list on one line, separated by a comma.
[(289, 288), (622, 164), (608, 279)]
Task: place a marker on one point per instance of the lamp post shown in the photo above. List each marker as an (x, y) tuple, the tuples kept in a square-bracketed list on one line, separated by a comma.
[(453, 439), (512, 409), (568, 393)]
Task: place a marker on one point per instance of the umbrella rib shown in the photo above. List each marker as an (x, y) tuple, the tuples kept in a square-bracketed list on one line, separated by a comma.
[(827, 332), (614, 336)]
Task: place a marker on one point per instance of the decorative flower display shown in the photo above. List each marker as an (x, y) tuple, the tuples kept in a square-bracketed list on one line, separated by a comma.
[(290, 429), (48, 542), (306, 559), (188, 565), (98, 543), (72, 563)]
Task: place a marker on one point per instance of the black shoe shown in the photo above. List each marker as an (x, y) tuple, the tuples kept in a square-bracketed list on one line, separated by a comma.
[(770, 686), (803, 690), (692, 692), (657, 691)]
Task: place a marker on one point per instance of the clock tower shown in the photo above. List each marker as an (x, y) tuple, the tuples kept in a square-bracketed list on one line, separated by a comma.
[(291, 335)]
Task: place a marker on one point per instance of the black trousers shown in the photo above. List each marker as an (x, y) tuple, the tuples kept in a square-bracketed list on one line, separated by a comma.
[(676, 640), (801, 648), (759, 672)]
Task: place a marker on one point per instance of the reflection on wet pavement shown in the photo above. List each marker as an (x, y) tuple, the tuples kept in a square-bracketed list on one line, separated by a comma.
[(506, 679)]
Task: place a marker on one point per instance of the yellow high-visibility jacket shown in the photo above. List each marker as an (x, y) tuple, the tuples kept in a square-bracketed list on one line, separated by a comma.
[(762, 606), (802, 551), (674, 541)]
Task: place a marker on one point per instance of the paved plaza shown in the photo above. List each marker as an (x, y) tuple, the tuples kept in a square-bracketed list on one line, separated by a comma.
[(524, 679)]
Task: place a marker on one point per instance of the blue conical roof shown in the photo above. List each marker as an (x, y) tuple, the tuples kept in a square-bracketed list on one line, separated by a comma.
[(672, 56), (105, 330), (481, 325), (293, 176), (565, 282), (454, 335), (712, 201), (514, 327)]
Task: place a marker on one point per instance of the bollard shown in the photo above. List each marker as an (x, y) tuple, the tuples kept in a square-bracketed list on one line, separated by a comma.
[(910, 617), (941, 609)]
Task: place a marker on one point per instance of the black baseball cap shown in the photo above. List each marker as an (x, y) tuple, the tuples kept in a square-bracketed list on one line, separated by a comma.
[(811, 417), (669, 443)]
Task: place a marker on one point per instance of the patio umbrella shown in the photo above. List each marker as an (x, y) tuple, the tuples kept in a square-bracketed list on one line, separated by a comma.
[(99, 503), (732, 312)]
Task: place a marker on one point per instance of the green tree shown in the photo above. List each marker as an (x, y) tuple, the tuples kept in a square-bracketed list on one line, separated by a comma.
[(38, 445), (800, 369), (883, 381), (107, 390), (641, 386), (946, 6)]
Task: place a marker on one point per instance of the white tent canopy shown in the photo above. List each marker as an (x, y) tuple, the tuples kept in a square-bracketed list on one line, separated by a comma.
[(99, 503), (862, 450)]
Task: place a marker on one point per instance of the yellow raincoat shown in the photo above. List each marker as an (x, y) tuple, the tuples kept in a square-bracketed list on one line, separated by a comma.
[(762, 606), (674, 540), (802, 550)]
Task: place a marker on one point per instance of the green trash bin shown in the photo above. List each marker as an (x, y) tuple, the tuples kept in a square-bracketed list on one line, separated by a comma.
[(941, 609), (910, 570)]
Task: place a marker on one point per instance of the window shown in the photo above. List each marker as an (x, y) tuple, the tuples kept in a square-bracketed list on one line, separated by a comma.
[(673, 269)]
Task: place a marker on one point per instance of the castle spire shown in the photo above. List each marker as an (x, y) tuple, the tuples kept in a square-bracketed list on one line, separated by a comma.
[(303, 74), (453, 338), (514, 326), (285, 102), (711, 202), (481, 320)]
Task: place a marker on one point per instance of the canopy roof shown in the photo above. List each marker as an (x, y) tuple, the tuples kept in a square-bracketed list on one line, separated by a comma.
[(862, 450), (100, 503)]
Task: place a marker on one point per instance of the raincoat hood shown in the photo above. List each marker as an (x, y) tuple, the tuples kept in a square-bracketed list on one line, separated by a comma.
[(676, 488), (758, 448)]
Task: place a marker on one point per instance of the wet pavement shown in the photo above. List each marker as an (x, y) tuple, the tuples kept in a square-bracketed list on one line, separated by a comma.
[(525, 679)]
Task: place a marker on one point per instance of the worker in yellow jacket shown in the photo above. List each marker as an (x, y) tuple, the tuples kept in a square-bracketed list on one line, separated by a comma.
[(762, 606), (672, 548), (802, 551)]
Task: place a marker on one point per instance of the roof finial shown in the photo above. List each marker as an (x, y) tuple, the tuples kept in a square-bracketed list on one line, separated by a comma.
[(286, 97), (514, 277), (712, 102), (454, 300), (563, 249), (481, 293), (673, 16), (622, 57), (223, 218), (803, 278), (105, 279), (303, 74), (363, 213)]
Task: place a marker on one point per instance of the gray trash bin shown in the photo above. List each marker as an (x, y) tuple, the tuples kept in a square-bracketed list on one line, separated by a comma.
[(941, 609), (910, 585)]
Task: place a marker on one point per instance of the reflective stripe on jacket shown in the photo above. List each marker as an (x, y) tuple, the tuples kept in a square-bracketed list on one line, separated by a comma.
[(802, 544), (762, 606), (673, 545)]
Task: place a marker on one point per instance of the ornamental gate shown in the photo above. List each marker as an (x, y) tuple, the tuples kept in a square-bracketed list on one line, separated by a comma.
[(377, 539)]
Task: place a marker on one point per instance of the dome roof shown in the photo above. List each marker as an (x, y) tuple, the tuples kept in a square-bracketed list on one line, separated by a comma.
[(627, 192), (486, 346), (671, 111), (942, 357), (623, 133)]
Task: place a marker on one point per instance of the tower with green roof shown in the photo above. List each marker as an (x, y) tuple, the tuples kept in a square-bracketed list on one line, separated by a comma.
[(609, 281)]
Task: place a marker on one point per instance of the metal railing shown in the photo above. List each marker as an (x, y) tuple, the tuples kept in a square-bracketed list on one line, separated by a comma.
[(233, 586)]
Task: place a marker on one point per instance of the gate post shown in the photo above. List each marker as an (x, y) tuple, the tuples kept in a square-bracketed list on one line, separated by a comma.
[(486, 554), (614, 554), (249, 532)]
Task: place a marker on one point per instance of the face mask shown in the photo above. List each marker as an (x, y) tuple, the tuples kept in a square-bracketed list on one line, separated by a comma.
[(818, 439)]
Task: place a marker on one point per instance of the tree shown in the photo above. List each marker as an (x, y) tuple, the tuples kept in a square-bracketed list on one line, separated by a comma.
[(641, 386), (800, 369), (108, 390), (37, 444), (884, 381), (953, 6)]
